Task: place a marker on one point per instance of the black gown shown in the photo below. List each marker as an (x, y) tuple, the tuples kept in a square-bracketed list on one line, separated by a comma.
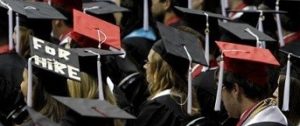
[(161, 111)]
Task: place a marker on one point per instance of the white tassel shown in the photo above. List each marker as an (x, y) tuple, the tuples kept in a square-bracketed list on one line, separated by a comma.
[(258, 42), (207, 39), (29, 81), (17, 33), (220, 85), (278, 23), (190, 4), (99, 75), (100, 85), (286, 95), (260, 26), (190, 97), (146, 16), (49, 2), (10, 30)]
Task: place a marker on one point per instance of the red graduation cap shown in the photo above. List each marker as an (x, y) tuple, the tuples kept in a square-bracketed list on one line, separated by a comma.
[(97, 29), (248, 61)]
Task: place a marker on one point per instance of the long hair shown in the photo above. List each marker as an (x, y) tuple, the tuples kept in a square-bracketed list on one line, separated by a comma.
[(24, 41), (161, 76), (44, 103), (293, 115), (88, 88)]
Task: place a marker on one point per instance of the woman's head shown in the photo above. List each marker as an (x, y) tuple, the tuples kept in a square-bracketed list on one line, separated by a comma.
[(161, 75)]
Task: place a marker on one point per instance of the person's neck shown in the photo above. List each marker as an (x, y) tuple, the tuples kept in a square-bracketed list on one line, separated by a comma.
[(247, 104), (169, 16), (235, 3), (64, 30)]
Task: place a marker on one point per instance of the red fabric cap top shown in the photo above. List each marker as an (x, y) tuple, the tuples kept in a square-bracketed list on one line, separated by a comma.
[(96, 29), (247, 61), (67, 5)]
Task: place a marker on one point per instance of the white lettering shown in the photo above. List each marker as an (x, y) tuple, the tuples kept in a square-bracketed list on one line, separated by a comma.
[(63, 54), (73, 73), (58, 67), (49, 50), (36, 42)]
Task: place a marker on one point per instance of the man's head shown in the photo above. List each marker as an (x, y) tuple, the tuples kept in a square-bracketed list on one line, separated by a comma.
[(160, 8), (66, 8), (245, 78)]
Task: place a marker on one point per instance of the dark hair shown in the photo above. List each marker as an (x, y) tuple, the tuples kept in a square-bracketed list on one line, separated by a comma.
[(252, 2), (294, 112), (251, 90)]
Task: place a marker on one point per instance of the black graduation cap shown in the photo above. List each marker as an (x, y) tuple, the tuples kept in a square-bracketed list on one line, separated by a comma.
[(39, 119), (94, 108), (179, 49), (206, 23), (173, 41), (102, 7), (35, 10), (245, 34)]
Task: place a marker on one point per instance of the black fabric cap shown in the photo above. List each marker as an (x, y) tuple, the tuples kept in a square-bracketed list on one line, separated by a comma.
[(84, 52), (207, 81), (88, 60), (201, 13), (39, 119), (34, 10), (103, 7), (293, 49), (94, 108), (239, 30), (173, 42)]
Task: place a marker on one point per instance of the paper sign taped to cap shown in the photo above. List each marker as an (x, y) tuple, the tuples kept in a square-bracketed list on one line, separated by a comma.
[(55, 59)]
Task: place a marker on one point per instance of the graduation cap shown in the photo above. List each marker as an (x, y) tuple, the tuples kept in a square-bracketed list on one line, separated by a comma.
[(89, 60), (94, 108), (291, 51), (97, 29), (102, 7), (209, 18), (263, 20), (245, 33), (31, 10), (248, 61), (179, 49), (39, 119)]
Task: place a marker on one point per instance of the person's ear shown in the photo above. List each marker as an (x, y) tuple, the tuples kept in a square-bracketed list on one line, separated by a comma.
[(167, 5), (236, 90)]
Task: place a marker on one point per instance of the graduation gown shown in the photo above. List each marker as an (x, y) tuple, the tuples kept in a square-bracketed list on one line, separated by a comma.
[(161, 110), (265, 113)]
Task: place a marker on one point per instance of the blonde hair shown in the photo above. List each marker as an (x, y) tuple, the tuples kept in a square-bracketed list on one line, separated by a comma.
[(25, 34), (161, 76), (88, 88)]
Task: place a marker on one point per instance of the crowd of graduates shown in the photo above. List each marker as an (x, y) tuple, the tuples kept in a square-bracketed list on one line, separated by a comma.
[(149, 62)]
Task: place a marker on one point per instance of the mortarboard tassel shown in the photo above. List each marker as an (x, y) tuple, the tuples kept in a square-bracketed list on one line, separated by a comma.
[(224, 5), (29, 89), (190, 4), (99, 75), (49, 2), (258, 42), (220, 85), (207, 39), (17, 33), (278, 23), (286, 95), (189, 102), (90, 8), (260, 25), (146, 16)]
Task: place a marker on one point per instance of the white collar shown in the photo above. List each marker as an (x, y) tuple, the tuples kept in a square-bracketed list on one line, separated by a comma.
[(162, 93)]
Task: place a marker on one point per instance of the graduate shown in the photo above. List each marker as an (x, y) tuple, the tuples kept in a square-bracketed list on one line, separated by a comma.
[(243, 85)]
